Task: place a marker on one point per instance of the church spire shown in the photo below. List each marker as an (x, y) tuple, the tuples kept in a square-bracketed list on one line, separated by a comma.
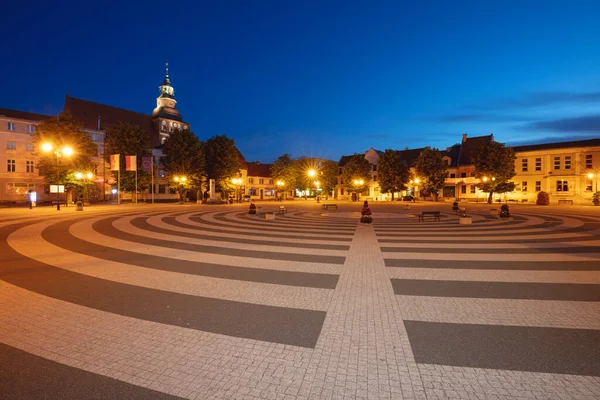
[(166, 90)]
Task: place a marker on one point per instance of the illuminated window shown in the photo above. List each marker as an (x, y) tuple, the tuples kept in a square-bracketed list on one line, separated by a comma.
[(562, 186), (588, 185)]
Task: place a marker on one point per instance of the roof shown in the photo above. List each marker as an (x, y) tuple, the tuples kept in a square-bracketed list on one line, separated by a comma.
[(344, 159), (558, 145), (409, 156), (22, 115), (88, 112), (470, 146), (259, 169)]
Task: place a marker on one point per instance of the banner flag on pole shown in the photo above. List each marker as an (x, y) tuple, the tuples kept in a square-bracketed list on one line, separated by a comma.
[(130, 163), (114, 162), (147, 164)]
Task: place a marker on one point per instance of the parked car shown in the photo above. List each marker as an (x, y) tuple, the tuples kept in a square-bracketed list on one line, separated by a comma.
[(247, 198), (408, 198)]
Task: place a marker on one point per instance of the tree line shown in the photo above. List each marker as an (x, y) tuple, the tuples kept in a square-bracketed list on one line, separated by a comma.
[(183, 154)]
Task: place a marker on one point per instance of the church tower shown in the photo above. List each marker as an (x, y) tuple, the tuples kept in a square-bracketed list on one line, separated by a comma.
[(166, 117)]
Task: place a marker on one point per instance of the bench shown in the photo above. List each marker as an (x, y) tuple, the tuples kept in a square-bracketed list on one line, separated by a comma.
[(435, 215), (565, 202), (282, 209), (62, 203), (328, 206)]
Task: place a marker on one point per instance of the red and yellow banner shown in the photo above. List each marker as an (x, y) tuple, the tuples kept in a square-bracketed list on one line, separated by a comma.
[(114, 162), (130, 163)]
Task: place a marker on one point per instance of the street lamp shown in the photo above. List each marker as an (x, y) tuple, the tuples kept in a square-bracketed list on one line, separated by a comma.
[(237, 182), (59, 152), (86, 178), (591, 175), (281, 184), (181, 181)]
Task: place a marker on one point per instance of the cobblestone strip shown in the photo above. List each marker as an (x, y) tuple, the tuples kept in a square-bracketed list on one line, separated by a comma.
[(363, 351)]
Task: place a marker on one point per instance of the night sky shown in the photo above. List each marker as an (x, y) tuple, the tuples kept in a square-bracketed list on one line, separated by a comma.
[(319, 78)]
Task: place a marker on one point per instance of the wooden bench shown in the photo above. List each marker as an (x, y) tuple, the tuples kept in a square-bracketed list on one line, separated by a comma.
[(282, 209), (62, 203), (565, 202), (435, 215), (328, 206)]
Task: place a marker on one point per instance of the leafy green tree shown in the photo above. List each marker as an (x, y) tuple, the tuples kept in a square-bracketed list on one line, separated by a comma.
[(60, 132), (328, 176), (284, 170), (222, 161), (127, 139), (495, 166), (183, 155), (358, 168), (432, 171), (392, 173)]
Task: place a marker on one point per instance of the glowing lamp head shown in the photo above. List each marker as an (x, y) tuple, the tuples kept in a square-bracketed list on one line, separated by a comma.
[(183, 179), (417, 180), (485, 178), (176, 179), (312, 172), (47, 147), (590, 175), (89, 175), (78, 175), (67, 151)]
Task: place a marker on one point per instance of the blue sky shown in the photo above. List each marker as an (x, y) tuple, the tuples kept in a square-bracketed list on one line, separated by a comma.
[(319, 78)]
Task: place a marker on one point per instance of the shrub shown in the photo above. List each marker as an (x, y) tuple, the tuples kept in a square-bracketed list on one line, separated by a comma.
[(543, 199), (596, 199)]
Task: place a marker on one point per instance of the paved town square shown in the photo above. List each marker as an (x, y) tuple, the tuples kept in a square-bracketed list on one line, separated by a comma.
[(207, 302)]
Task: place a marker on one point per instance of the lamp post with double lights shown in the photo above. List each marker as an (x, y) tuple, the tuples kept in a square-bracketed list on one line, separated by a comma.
[(85, 178), (414, 183), (281, 185), (59, 151), (181, 180)]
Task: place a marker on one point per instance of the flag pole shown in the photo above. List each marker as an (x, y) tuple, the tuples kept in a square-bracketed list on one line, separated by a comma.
[(119, 185), (152, 170), (136, 190)]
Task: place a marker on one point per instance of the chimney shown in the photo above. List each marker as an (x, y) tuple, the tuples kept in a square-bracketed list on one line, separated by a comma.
[(406, 148), (448, 149), (492, 136), (464, 139)]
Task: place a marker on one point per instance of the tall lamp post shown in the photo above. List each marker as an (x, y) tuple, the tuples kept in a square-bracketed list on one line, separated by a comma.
[(181, 180), (281, 184), (59, 152), (591, 175), (85, 178)]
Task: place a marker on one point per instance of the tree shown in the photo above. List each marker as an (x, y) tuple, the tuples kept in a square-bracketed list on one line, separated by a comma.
[(183, 155), (495, 166), (328, 175), (356, 174), (62, 131), (222, 161), (127, 139), (432, 171), (392, 173), (284, 170)]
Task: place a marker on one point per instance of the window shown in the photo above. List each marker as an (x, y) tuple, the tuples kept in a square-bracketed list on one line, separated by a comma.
[(472, 188), (11, 126), (261, 181), (374, 167), (270, 181), (10, 166), (562, 186), (11, 145), (30, 168), (30, 128), (463, 174), (19, 188), (588, 185), (29, 146), (463, 189), (269, 192), (538, 186), (162, 189), (524, 186), (472, 174), (340, 169), (556, 162), (252, 192), (452, 175), (588, 161), (161, 173), (524, 165), (251, 180), (538, 164), (374, 178), (567, 162)]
